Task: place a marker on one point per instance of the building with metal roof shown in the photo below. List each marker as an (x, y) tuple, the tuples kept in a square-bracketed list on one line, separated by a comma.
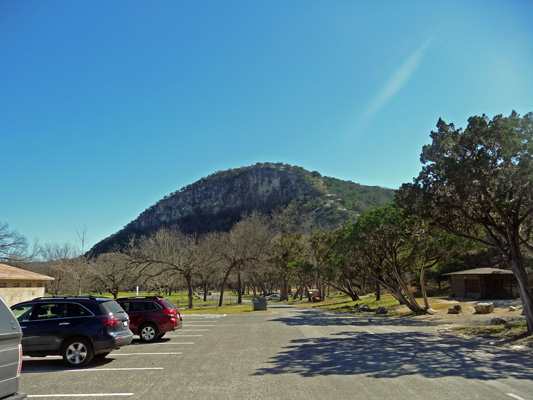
[(18, 284)]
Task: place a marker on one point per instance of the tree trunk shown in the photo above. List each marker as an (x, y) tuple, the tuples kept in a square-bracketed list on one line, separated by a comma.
[(297, 293), (378, 291), (188, 278), (223, 285), (526, 294), (423, 287), (239, 288)]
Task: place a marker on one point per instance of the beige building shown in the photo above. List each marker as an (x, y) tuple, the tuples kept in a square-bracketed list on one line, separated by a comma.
[(484, 283), (18, 285)]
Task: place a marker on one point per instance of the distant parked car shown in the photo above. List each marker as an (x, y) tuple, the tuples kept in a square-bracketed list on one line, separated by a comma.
[(77, 328), (151, 317), (10, 355), (273, 296)]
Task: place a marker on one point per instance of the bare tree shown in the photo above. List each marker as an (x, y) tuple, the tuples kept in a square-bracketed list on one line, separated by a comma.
[(57, 259), (171, 250), (208, 272), (242, 246), (13, 246), (114, 272)]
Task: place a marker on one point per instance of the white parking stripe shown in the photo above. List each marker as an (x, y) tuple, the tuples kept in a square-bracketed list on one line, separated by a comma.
[(514, 396), (375, 334), (111, 369), (197, 330), (185, 316), (198, 325), (178, 343), (81, 395), (186, 335), (144, 354)]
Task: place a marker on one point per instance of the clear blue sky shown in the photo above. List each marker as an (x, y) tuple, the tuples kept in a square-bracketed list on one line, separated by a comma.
[(107, 106)]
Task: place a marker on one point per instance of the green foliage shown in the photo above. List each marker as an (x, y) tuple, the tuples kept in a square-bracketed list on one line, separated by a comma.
[(358, 198), (478, 183)]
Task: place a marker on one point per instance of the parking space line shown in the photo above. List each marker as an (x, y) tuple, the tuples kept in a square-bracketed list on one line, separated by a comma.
[(112, 369), (82, 395), (144, 354), (197, 330), (514, 396), (185, 335), (186, 316), (178, 343), (376, 334), (198, 325)]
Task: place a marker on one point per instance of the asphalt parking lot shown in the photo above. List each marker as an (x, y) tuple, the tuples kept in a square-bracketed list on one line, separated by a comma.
[(291, 352), (135, 371)]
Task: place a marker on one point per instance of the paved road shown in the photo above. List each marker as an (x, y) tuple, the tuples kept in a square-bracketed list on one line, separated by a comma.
[(294, 353)]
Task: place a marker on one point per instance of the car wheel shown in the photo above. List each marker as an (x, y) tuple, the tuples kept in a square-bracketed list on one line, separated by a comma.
[(148, 333), (77, 352)]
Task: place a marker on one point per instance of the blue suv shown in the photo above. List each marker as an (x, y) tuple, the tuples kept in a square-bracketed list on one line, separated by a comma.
[(77, 328)]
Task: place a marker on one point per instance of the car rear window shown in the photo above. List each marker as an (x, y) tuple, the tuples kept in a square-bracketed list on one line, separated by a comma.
[(139, 306), (169, 304), (112, 307)]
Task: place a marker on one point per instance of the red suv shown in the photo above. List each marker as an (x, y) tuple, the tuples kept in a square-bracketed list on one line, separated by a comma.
[(151, 317)]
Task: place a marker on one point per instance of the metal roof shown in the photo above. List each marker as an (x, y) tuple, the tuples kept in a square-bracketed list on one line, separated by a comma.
[(482, 271), (8, 273)]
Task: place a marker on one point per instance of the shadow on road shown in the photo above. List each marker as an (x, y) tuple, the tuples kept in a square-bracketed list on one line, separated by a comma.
[(394, 355), (326, 318), (391, 355)]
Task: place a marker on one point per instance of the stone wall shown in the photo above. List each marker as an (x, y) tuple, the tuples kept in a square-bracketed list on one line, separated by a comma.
[(14, 295)]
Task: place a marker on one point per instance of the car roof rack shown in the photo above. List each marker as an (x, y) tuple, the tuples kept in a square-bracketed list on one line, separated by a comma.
[(141, 297), (73, 297)]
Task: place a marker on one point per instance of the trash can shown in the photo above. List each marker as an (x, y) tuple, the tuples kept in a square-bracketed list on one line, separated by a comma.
[(260, 304)]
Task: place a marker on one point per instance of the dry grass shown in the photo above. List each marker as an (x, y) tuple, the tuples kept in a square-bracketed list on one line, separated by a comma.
[(514, 333)]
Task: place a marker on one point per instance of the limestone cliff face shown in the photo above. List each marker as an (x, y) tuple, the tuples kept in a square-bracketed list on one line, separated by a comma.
[(255, 189), (216, 202)]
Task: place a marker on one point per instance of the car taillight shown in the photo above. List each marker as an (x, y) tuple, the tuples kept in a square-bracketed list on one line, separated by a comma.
[(170, 311), (111, 321), (20, 361)]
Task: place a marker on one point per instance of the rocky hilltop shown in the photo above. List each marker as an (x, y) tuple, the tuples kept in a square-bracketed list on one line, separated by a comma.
[(216, 202)]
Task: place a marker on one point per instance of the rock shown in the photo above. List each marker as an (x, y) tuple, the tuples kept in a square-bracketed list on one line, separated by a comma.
[(484, 308), (382, 310), (498, 321), (456, 309), (365, 307), (512, 308), (430, 311)]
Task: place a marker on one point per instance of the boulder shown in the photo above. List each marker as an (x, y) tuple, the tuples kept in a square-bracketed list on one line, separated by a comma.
[(382, 310), (456, 309), (365, 307), (484, 308), (430, 311), (498, 321), (512, 308)]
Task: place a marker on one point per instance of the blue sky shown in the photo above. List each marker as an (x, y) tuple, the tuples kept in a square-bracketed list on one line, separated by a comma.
[(106, 107)]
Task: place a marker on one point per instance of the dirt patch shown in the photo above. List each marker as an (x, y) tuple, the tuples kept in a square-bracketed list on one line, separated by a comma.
[(468, 316), (478, 326)]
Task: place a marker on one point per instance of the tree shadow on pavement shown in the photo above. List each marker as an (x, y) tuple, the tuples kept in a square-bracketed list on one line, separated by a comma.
[(392, 355), (327, 318)]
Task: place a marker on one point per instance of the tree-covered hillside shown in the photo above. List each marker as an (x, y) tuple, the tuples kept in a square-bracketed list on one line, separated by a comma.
[(216, 202)]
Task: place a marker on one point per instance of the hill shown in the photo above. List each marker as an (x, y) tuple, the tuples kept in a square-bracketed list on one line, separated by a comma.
[(216, 202)]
